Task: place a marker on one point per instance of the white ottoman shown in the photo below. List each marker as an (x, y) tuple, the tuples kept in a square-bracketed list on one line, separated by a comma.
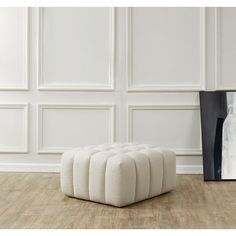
[(117, 174)]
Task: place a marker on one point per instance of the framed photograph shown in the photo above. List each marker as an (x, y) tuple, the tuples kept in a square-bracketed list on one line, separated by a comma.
[(218, 124)]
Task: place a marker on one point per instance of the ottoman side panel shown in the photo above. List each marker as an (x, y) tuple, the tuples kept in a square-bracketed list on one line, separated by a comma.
[(81, 174), (169, 174), (97, 169), (156, 171), (120, 181), (66, 176), (142, 167)]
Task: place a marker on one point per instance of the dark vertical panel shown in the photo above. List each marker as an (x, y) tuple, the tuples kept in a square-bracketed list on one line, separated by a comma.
[(213, 105), (218, 148)]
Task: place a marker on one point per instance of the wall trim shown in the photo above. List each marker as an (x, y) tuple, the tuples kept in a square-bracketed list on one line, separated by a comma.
[(218, 48), (132, 107), (29, 167), (79, 87), (55, 168), (24, 149), (189, 169), (25, 85), (71, 106), (165, 87)]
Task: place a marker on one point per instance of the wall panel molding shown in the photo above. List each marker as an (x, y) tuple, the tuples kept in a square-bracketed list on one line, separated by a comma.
[(83, 102), (24, 148), (59, 150), (218, 53), (77, 87), (165, 87), (132, 107), (25, 84), (217, 50)]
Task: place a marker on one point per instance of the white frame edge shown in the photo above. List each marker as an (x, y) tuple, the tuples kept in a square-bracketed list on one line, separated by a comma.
[(179, 152), (25, 85), (166, 87), (90, 87), (25, 107), (41, 106)]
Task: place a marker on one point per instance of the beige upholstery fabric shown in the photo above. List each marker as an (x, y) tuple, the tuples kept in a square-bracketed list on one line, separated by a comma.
[(117, 174)]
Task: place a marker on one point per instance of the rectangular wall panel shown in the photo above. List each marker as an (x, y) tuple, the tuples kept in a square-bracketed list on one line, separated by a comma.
[(62, 127), (174, 127), (76, 48), (165, 49), (226, 48), (13, 48), (13, 128)]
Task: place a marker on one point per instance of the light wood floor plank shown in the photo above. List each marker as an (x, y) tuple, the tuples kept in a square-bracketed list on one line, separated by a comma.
[(34, 200)]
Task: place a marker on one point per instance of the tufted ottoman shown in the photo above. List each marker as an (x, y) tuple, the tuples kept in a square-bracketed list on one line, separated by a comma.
[(117, 174)]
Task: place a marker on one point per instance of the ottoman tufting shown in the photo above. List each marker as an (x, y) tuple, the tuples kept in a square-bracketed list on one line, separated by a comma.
[(117, 174)]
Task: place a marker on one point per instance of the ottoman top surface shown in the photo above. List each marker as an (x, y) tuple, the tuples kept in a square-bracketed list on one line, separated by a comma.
[(118, 148)]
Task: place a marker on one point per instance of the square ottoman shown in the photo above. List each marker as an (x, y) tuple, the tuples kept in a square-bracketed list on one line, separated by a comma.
[(117, 174)]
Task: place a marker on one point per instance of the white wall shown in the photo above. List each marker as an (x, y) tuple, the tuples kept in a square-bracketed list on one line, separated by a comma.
[(77, 76)]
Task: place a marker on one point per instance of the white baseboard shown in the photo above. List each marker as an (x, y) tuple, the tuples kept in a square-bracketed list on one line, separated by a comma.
[(55, 168), (29, 167), (189, 169)]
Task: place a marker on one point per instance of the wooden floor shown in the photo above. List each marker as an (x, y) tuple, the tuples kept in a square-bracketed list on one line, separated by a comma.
[(35, 201)]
